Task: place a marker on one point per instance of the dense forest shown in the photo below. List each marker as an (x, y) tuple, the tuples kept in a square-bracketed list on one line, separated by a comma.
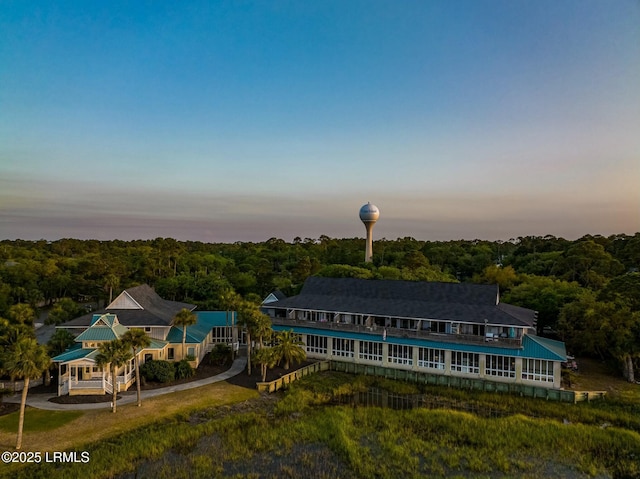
[(587, 291)]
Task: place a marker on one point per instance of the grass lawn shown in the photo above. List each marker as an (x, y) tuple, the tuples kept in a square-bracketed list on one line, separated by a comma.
[(73, 430), (595, 375), (37, 420)]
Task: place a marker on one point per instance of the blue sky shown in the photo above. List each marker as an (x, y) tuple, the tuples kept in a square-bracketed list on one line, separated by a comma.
[(241, 121)]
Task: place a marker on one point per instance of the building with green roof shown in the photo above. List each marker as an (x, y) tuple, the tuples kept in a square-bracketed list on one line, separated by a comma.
[(140, 308)]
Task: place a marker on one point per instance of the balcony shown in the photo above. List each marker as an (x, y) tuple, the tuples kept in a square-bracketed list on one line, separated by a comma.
[(498, 342)]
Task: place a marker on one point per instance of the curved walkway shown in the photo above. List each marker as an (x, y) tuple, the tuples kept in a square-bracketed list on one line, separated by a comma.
[(41, 401)]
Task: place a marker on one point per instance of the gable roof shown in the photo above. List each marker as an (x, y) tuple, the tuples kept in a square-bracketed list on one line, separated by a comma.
[(124, 301), (138, 306), (460, 302), (103, 327), (275, 296)]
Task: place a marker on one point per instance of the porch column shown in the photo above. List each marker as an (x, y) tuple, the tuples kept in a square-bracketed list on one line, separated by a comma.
[(356, 351), (557, 374), (385, 355), (518, 370), (447, 362), (482, 362)]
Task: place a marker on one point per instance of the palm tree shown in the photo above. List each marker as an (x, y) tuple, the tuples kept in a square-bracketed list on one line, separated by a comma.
[(289, 347), (111, 281), (229, 300), (114, 353), (60, 341), (137, 339), (25, 360), (266, 358), (184, 318), (255, 323)]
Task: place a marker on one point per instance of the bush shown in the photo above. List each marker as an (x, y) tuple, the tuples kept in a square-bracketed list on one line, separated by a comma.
[(159, 371), (184, 370), (220, 355)]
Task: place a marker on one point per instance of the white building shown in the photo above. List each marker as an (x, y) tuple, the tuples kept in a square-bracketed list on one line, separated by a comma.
[(453, 329)]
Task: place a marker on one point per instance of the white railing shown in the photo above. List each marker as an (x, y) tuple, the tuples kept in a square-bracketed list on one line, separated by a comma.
[(401, 332), (63, 388), (91, 384)]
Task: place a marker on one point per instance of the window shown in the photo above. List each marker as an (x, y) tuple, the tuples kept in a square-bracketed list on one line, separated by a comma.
[(440, 327), (221, 334), (343, 347), (500, 366), (400, 354), (465, 362), (171, 353), (191, 352), (431, 358), (370, 351), (316, 344), (537, 370), (147, 329)]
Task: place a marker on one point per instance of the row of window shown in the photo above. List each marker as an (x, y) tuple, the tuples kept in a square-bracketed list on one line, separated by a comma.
[(464, 362)]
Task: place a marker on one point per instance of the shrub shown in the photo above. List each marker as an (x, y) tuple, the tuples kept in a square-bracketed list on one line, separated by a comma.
[(220, 354), (159, 371), (184, 370)]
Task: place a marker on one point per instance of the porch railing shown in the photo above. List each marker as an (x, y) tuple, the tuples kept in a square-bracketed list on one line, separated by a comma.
[(401, 333), (87, 384)]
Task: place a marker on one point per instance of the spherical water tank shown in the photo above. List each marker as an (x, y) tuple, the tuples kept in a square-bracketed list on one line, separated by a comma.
[(369, 213)]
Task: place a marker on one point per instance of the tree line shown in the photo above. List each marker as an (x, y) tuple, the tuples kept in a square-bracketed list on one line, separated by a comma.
[(585, 291)]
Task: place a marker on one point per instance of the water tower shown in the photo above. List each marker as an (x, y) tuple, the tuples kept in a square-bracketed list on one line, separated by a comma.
[(369, 214)]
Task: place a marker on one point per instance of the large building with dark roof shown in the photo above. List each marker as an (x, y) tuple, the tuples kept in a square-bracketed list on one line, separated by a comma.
[(452, 329)]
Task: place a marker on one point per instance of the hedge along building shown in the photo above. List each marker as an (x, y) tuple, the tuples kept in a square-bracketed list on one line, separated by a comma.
[(140, 308), (450, 329)]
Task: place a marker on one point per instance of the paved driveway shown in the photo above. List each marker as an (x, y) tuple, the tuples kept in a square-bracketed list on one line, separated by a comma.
[(41, 401)]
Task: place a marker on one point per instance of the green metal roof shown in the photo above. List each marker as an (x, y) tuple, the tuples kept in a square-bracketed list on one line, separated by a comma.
[(216, 318), (157, 344), (206, 320), (74, 353), (107, 319), (532, 346), (544, 347), (102, 333)]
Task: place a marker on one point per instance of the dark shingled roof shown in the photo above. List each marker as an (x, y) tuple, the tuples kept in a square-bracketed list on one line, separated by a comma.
[(156, 311), (471, 303)]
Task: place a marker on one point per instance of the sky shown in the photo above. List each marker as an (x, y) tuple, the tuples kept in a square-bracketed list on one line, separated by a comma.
[(242, 121)]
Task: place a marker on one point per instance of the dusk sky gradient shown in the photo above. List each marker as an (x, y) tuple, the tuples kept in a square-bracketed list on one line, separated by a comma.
[(242, 121)]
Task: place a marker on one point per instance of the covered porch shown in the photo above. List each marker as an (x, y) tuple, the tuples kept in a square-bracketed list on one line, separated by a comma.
[(82, 376)]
